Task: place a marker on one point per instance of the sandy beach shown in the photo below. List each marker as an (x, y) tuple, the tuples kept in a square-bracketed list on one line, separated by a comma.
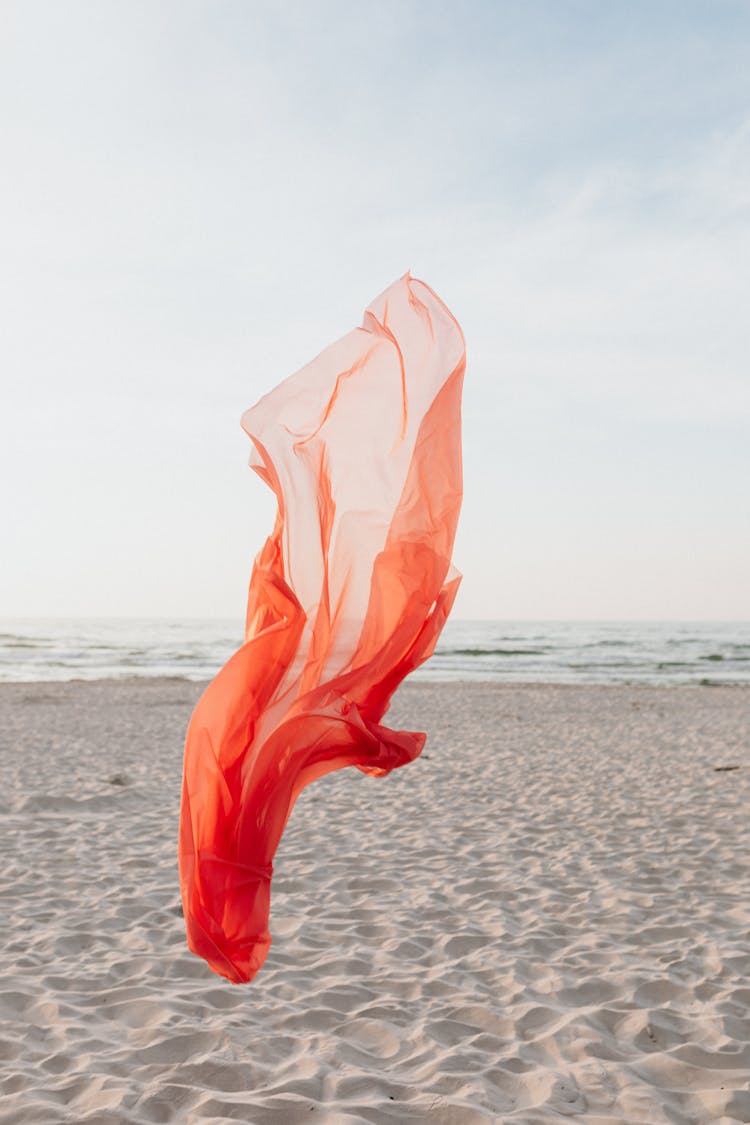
[(545, 917)]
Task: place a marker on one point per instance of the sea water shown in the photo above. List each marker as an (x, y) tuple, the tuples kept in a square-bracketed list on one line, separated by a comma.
[(605, 652)]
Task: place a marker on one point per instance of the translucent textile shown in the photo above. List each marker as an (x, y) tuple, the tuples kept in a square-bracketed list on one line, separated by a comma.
[(362, 448)]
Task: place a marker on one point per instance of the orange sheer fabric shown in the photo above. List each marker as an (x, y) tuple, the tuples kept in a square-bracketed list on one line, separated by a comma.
[(362, 448)]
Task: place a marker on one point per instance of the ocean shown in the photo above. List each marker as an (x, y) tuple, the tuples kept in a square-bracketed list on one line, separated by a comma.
[(607, 652)]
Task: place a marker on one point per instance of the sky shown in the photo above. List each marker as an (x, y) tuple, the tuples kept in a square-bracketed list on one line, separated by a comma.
[(197, 197)]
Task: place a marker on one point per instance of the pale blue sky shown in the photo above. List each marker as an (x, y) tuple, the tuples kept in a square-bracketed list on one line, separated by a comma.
[(196, 197)]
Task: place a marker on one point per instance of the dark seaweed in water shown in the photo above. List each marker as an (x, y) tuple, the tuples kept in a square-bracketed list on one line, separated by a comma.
[(493, 652)]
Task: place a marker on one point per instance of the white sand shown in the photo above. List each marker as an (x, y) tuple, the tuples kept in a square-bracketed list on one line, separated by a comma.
[(545, 917)]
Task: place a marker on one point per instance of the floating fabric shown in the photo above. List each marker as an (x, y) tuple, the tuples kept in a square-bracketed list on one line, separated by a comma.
[(362, 448)]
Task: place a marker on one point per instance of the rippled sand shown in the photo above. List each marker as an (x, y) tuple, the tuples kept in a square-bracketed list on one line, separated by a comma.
[(544, 917)]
